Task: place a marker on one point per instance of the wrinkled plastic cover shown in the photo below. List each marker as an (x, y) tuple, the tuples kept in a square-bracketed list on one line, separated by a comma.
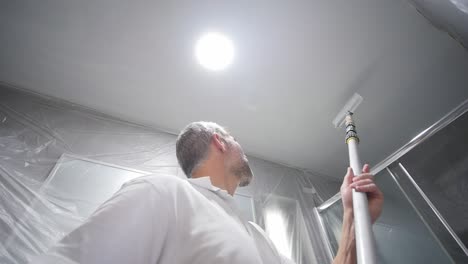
[(58, 159), (448, 15)]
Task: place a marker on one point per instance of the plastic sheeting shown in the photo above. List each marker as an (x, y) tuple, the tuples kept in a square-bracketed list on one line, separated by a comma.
[(448, 15), (37, 209)]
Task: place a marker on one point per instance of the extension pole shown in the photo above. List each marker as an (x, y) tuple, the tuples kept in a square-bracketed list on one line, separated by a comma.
[(365, 243)]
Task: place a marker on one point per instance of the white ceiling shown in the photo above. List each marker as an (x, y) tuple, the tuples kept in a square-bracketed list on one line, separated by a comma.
[(296, 64)]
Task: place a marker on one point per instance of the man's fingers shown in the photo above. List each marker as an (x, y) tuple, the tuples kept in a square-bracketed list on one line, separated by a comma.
[(368, 188), (363, 176), (366, 168), (361, 182)]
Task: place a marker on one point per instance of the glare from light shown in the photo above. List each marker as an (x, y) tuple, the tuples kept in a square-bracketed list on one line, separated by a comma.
[(214, 51), (461, 4), (275, 227)]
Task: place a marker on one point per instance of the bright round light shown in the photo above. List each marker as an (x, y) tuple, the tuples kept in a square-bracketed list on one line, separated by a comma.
[(214, 51)]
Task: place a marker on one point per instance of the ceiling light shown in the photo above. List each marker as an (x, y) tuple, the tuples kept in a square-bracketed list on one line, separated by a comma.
[(214, 51)]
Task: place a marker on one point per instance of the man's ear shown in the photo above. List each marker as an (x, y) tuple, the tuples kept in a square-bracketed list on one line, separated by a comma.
[(219, 142)]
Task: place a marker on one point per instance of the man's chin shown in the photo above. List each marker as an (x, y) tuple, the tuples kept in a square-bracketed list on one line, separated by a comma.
[(246, 177), (243, 173), (245, 180)]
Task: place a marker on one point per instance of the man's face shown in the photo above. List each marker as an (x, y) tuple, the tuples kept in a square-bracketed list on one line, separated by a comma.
[(237, 163)]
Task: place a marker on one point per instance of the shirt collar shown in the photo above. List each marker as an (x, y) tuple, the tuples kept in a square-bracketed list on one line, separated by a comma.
[(205, 182)]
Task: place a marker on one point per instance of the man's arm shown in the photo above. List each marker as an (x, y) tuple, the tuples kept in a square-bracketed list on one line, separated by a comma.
[(363, 183), (129, 228), (347, 247)]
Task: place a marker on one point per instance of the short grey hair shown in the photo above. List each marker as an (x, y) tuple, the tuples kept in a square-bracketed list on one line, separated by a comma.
[(193, 144)]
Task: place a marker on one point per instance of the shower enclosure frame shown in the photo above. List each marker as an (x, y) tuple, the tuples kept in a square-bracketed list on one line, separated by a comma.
[(392, 159)]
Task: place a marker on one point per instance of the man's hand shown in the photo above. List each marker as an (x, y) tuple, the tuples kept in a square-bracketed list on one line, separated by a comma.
[(362, 183)]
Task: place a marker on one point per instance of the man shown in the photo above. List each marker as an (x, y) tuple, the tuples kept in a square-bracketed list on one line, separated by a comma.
[(167, 220)]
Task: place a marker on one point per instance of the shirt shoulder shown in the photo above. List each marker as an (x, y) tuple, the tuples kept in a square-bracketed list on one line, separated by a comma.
[(158, 180), (163, 184)]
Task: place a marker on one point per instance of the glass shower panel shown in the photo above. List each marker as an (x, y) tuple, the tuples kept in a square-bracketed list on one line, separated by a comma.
[(401, 235), (430, 213), (440, 168)]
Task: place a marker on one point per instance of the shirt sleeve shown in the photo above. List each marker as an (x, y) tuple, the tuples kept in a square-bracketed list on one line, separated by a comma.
[(279, 257), (131, 227)]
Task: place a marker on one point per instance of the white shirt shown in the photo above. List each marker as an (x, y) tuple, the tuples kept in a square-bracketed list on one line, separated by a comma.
[(166, 220)]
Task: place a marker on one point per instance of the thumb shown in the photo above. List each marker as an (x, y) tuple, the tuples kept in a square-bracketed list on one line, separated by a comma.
[(349, 176)]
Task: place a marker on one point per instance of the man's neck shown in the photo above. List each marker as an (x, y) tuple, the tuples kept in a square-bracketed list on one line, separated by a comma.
[(218, 179)]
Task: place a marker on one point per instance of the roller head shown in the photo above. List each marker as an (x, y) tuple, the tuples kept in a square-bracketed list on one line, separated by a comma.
[(349, 107)]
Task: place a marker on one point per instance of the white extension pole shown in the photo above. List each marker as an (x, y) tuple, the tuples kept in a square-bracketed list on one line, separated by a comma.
[(365, 243)]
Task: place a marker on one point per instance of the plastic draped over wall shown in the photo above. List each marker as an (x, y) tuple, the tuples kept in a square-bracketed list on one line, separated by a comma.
[(447, 15), (36, 209)]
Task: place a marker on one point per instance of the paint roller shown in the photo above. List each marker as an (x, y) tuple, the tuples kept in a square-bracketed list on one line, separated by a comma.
[(365, 243)]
